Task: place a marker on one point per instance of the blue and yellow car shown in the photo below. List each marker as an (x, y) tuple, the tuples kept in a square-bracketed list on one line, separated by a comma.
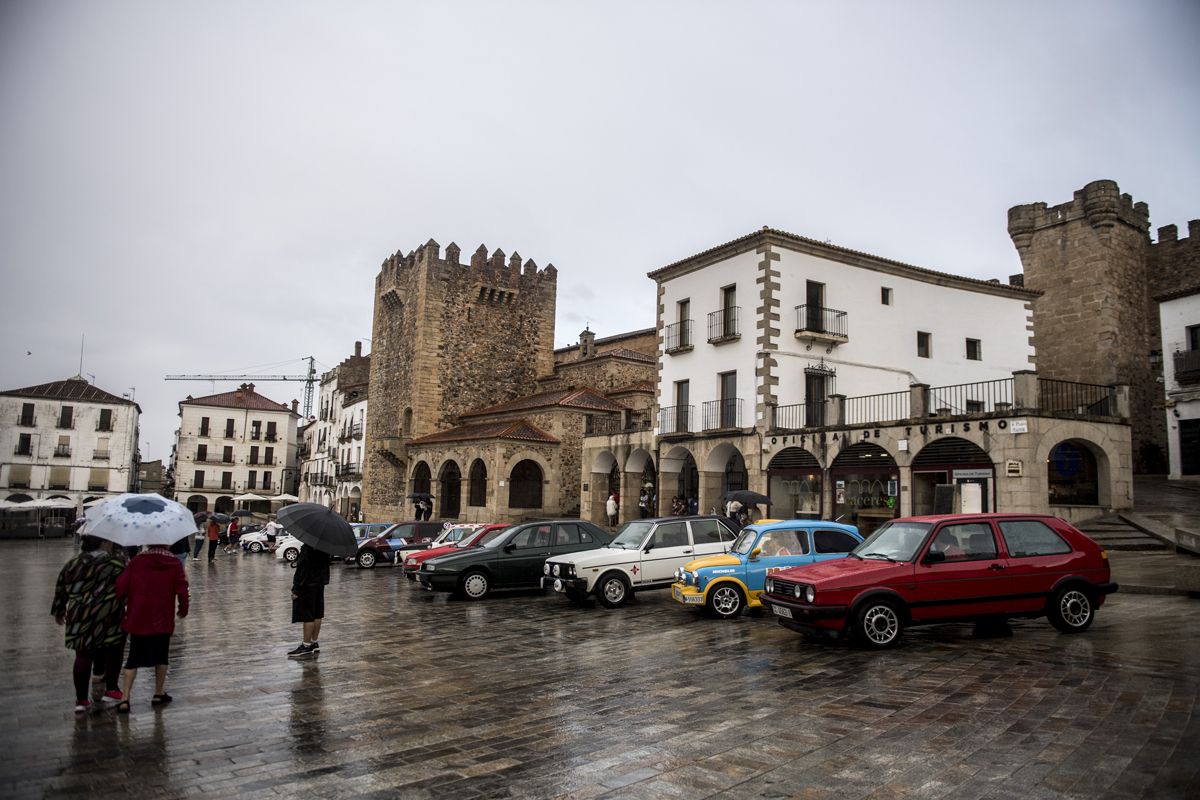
[(729, 583)]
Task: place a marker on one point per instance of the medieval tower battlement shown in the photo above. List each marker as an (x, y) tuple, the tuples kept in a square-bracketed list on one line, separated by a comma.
[(1097, 321), (449, 337)]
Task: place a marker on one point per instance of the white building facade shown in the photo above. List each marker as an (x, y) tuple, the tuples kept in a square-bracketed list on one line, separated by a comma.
[(68, 440), (331, 473), (234, 443), (845, 385), (1179, 315)]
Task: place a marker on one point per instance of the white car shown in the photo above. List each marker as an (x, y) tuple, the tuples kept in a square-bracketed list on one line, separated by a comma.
[(254, 542), (644, 555), (287, 548)]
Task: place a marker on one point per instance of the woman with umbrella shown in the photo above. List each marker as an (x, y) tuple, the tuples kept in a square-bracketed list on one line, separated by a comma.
[(323, 534)]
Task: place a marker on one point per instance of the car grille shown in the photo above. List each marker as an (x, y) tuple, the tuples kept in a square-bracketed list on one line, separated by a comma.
[(782, 587)]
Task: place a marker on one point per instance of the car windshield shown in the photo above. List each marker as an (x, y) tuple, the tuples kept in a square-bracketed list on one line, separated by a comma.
[(498, 539), (745, 541), (894, 541), (631, 535)]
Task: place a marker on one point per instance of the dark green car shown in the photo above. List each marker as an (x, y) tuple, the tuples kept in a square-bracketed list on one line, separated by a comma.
[(512, 560)]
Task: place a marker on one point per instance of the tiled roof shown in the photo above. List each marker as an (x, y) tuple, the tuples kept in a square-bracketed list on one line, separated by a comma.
[(610, 339), (71, 389), (242, 397), (844, 254), (625, 352), (519, 430), (585, 398)]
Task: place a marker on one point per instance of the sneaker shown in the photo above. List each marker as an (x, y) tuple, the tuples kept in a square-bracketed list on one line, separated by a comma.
[(303, 651), (112, 697), (82, 705), (195, 558), (316, 648)]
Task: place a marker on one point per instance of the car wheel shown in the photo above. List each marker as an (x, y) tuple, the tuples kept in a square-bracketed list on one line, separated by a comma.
[(878, 623), (366, 559), (726, 601), (1071, 610), (475, 585), (255, 547), (612, 590), (291, 554)]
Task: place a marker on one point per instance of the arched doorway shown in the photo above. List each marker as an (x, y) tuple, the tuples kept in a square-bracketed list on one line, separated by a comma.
[(866, 486), (355, 505), (794, 484), (450, 489), (1072, 475), (947, 462), (224, 504), (197, 503), (421, 479), (525, 485), (477, 491)]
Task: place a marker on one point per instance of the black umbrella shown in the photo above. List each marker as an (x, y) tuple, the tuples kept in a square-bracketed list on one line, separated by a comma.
[(200, 516), (241, 512), (746, 498), (420, 496), (221, 518), (319, 527)]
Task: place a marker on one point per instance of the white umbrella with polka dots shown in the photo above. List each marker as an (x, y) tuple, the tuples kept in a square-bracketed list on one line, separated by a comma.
[(133, 520)]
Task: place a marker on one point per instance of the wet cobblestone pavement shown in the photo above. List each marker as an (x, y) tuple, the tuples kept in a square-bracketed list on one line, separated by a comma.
[(525, 695)]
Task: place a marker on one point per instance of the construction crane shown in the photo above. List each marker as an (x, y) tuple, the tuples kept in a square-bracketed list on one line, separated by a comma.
[(309, 381)]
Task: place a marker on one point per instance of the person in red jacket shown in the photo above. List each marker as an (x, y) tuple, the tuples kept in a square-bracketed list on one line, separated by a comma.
[(150, 586)]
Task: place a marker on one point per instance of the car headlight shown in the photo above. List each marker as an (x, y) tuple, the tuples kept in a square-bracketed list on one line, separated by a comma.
[(798, 590), (428, 567), (554, 570), (695, 578), (767, 586), (810, 593), (679, 574), (546, 568)]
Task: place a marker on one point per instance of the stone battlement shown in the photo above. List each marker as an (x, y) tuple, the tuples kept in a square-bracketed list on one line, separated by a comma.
[(496, 269), (1169, 233), (1100, 203)]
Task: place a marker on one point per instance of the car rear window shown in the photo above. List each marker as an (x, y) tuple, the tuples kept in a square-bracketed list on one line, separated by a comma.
[(833, 542), (707, 531), (567, 533), (1030, 537)]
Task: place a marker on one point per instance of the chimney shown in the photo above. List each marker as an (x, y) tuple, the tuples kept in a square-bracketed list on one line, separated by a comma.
[(357, 349), (1017, 280), (295, 406)]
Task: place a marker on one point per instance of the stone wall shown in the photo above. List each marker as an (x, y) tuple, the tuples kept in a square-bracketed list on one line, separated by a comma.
[(449, 337), (1094, 321), (1174, 263)]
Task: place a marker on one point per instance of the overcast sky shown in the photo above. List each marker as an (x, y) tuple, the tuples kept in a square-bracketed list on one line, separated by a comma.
[(210, 187)]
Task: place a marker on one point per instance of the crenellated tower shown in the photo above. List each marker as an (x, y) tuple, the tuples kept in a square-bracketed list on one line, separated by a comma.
[(1097, 321), (449, 337)]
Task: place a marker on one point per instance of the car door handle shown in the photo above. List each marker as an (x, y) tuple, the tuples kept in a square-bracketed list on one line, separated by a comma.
[(686, 552), (996, 567)]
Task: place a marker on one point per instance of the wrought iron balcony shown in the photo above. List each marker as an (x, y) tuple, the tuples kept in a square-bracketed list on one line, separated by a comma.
[(721, 414), (100, 455), (676, 419), (677, 337), (62, 451), (820, 325), (104, 428), (27, 421), (798, 416), (22, 450), (723, 325), (1187, 366)]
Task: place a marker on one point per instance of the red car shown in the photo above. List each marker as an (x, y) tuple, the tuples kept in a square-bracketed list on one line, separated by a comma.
[(413, 561), (920, 570)]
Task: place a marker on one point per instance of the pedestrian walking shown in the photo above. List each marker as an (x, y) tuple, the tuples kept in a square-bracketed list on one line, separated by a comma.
[(214, 536), (197, 544), (271, 529), (151, 586), (231, 535), (86, 604), (180, 550), (644, 504), (610, 508), (308, 598)]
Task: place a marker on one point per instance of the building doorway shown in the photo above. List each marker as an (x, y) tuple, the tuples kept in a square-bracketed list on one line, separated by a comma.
[(951, 461), (794, 484), (866, 486)]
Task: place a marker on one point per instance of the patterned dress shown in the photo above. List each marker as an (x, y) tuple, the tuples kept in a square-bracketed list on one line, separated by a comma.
[(86, 596)]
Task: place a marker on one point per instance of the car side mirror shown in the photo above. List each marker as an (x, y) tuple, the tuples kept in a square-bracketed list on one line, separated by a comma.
[(648, 547), (755, 553), (935, 557), (508, 548)]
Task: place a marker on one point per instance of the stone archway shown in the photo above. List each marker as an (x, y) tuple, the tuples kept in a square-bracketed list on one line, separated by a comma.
[(224, 504), (794, 481), (949, 461), (866, 484), (525, 485), (197, 503), (450, 490), (1073, 474)]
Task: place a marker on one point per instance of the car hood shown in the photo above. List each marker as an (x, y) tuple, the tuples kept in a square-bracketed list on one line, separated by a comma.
[(847, 572), (433, 552), (597, 557), (720, 560), (461, 559)]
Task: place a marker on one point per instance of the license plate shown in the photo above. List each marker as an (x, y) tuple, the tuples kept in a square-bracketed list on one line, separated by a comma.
[(780, 611), (678, 593)]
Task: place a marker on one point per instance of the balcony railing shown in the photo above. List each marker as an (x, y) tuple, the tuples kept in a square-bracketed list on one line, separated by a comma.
[(677, 337), (720, 414), (59, 485), (676, 419), (1076, 399), (887, 407), (818, 322), (983, 397), (62, 451), (203, 433), (27, 421), (1187, 366), (799, 416), (256, 436), (100, 455), (271, 437), (66, 425), (609, 424), (22, 450), (97, 487), (103, 427), (348, 472), (723, 325)]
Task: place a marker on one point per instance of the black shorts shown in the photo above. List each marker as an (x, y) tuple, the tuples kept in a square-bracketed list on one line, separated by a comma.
[(309, 604), (148, 651)]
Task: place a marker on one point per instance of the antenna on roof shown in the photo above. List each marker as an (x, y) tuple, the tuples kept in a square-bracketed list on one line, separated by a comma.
[(80, 373)]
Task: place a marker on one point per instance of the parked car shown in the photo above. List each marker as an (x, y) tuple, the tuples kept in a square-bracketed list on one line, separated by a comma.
[(644, 555), (920, 570), (511, 560), (477, 536), (287, 548), (399, 538), (727, 584)]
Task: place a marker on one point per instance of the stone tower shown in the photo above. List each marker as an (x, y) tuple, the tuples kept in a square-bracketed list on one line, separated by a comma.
[(1096, 321), (448, 337)]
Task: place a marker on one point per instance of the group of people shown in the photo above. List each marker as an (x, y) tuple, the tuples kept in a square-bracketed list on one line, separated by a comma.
[(103, 597), (647, 505), (742, 514), (422, 509)]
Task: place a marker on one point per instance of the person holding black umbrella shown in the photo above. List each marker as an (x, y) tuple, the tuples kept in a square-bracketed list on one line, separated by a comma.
[(323, 534)]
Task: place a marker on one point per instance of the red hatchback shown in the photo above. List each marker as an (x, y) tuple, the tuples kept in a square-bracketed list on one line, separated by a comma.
[(920, 570), (413, 561)]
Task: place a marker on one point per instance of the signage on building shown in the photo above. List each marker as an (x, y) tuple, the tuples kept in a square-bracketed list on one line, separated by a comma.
[(1013, 468), (960, 474), (1018, 426), (909, 431)]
